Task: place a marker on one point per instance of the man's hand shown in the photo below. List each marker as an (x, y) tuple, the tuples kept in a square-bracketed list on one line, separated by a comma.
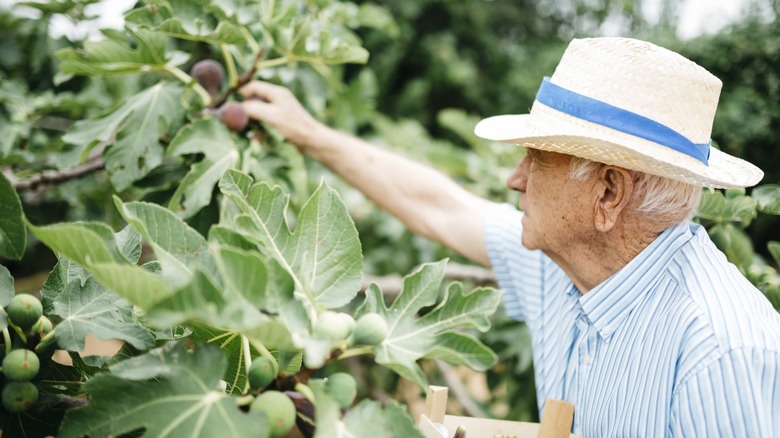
[(277, 106)]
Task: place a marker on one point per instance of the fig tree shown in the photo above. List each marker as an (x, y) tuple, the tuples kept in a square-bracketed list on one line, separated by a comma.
[(342, 388), (279, 410), (334, 325), (209, 74), (261, 373), (233, 115), (24, 310), (21, 365), (19, 396), (370, 329)]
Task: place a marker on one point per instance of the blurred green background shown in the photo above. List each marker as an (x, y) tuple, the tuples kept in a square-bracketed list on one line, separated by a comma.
[(435, 68)]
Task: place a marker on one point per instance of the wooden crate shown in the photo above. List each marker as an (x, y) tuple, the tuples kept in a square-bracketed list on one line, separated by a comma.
[(434, 423)]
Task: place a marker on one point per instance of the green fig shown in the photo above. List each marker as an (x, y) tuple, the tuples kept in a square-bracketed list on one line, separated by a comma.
[(334, 325), (279, 410), (24, 310), (19, 396), (370, 329), (21, 365), (261, 373), (342, 388)]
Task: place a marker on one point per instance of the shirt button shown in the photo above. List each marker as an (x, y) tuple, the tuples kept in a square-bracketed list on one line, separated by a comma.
[(587, 359)]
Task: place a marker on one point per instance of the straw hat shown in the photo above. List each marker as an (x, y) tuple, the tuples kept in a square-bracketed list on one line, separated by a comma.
[(631, 104)]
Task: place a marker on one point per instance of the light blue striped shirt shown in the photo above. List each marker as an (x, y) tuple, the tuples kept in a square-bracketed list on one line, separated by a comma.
[(677, 343)]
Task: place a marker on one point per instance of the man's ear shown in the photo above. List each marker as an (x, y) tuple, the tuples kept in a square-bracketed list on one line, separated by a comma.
[(615, 187)]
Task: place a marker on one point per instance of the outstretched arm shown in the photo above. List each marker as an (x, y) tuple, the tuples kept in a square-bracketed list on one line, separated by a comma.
[(428, 202)]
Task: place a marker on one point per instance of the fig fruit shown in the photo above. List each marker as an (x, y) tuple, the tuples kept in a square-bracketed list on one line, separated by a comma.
[(279, 410), (21, 365), (19, 396), (261, 373), (342, 388), (24, 310), (233, 115), (209, 74), (370, 329), (43, 326), (334, 325)]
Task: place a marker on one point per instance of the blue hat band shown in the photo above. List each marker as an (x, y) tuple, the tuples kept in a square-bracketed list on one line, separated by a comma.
[(602, 113)]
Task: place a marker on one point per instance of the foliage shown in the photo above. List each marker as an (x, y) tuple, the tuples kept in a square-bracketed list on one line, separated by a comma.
[(243, 255)]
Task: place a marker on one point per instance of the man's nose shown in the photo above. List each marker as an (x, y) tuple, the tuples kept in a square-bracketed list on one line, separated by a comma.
[(519, 177)]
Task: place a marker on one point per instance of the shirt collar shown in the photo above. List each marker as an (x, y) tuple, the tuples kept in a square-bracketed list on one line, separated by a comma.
[(609, 303)]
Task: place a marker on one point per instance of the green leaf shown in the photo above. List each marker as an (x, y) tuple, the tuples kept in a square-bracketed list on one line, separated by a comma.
[(183, 399), (327, 414), (187, 19), (93, 247), (202, 301), (207, 136), (179, 248), (309, 40), (93, 309), (768, 198), (6, 286), (411, 337), (463, 349), (133, 131), (230, 344), (79, 242), (133, 283), (384, 420), (110, 57), (774, 249), (735, 208), (13, 236), (194, 191), (735, 243), (322, 254)]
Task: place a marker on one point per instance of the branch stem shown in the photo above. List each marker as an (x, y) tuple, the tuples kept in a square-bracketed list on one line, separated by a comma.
[(231, 65), (48, 177), (7, 340)]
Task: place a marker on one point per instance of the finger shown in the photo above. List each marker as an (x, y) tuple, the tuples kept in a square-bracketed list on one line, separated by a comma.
[(263, 90), (257, 109)]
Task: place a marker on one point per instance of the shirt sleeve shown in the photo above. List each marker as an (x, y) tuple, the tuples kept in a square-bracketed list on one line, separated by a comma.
[(737, 395), (518, 270)]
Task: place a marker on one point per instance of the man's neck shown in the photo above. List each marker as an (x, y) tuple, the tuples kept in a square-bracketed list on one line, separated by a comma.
[(591, 261)]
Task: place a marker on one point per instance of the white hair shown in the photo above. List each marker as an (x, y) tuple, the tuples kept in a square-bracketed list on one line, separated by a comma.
[(659, 197)]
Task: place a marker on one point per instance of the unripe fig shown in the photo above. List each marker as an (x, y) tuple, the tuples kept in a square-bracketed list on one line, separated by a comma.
[(19, 396), (233, 115), (24, 310), (342, 388), (261, 373), (279, 410), (21, 365), (209, 74), (371, 329), (334, 325), (43, 326)]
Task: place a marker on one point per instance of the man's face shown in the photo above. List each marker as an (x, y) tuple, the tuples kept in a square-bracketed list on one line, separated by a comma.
[(557, 209)]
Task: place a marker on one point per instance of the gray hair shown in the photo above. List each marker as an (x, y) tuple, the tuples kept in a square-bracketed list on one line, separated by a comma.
[(660, 197)]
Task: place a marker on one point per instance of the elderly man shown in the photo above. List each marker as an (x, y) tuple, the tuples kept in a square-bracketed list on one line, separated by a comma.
[(636, 317)]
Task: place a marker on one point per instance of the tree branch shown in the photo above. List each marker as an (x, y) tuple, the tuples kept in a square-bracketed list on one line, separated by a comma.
[(56, 176), (392, 284)]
